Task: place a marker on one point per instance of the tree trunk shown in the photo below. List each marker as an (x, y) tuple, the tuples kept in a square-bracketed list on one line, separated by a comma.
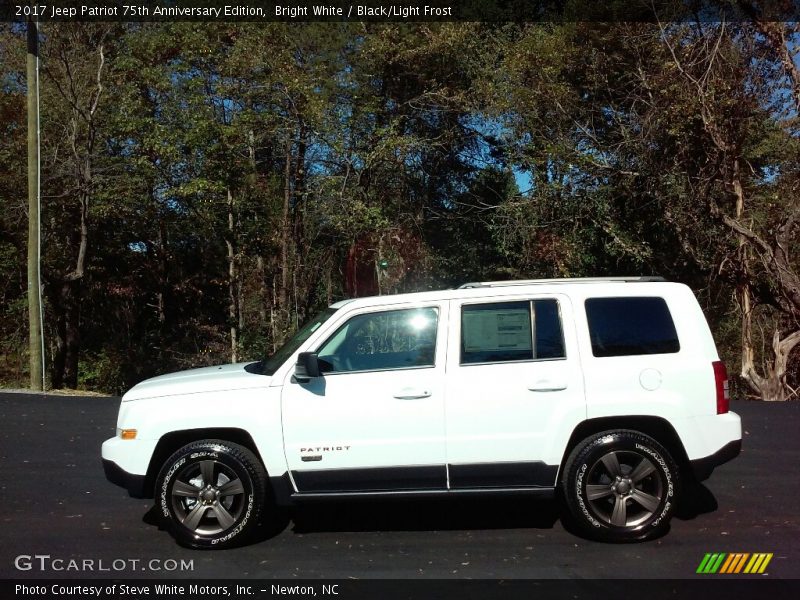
[(67, 304), (163, 264), (263, 293), (743, 288), (273, 319), (72, 293), (328, 285), (286, 230), (772, 385), (59, 345), (66, 307), (232, 292)]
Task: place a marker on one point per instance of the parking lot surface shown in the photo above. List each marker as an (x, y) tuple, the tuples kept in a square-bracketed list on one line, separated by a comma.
[(57, 503)]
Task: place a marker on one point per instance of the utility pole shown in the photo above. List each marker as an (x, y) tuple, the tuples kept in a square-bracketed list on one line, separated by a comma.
[(34, 229)]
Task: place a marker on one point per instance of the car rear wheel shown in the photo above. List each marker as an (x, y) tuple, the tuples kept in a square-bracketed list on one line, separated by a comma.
[(620, 486), (211, 493)]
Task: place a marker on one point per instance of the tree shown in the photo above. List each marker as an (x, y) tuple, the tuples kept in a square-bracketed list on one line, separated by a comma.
[(763, 56), (660, 149), (14, 333), (206, 188), (75, 65)]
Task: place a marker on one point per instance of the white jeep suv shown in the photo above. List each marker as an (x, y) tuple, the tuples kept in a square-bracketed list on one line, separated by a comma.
[(606, 392)]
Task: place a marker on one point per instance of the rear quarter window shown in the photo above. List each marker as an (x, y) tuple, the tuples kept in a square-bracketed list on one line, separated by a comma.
[(631, 326)]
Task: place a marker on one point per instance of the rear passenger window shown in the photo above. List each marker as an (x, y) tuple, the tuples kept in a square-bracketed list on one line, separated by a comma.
[(630, 326), (511, 331)]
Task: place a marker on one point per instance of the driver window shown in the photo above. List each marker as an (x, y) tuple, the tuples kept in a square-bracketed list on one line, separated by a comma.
[(393, 339)]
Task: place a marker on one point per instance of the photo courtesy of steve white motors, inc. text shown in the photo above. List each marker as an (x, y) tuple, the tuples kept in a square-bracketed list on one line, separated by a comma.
[(171, 589)]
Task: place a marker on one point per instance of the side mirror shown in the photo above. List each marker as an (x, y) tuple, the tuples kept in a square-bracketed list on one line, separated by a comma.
[(307, 367)]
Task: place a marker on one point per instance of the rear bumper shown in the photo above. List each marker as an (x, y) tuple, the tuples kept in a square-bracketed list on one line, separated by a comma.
[(703, 467), (119, 476)]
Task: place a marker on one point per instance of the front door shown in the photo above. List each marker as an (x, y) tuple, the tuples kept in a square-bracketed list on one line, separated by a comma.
[(374, 421)]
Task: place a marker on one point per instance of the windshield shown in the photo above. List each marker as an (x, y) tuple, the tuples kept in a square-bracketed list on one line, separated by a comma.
[(293, 343)]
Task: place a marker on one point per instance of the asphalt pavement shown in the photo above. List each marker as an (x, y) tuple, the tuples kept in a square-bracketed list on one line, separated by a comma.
[(57, 504)]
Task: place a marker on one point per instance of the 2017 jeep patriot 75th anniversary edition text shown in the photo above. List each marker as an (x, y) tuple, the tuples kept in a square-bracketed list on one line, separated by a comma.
[(606, 392)]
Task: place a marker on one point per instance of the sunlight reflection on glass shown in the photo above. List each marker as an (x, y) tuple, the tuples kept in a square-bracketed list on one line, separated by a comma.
[(419, 322)]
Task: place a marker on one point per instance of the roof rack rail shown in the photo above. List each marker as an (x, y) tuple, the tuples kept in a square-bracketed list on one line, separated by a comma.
[(480, 284)]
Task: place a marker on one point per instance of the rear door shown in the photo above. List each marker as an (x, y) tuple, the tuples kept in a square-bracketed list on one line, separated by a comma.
[(514, 385)]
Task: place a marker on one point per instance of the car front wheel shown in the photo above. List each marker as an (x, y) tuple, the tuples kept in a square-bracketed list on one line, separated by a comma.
[(210, 494)]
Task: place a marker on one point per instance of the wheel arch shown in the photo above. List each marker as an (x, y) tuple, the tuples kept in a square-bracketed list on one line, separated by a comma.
[(657, 428), (172, 441)]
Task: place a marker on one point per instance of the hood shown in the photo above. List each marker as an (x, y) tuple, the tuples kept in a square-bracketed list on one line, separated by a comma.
[(207, 379)]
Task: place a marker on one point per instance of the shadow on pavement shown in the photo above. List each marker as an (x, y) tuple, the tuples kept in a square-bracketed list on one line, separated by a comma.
[(696, 499), (153, 517), (439, 514), (424, 515)]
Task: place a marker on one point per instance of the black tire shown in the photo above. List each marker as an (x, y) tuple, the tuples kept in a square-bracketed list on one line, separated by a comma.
[(620, 486), (211, 493)]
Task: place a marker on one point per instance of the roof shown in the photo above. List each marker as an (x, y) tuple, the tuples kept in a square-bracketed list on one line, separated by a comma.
[(490, 288)]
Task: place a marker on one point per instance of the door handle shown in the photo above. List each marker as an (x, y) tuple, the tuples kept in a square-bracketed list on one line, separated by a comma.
[(411, 394), (546, 385)]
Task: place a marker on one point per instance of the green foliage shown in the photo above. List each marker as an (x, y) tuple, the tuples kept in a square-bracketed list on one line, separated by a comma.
[(102, 372), (243, 175)]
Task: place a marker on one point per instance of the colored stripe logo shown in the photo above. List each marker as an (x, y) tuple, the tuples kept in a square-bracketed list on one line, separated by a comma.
[(737, 562)]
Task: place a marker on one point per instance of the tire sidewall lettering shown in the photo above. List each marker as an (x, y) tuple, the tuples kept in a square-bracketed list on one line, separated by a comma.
[(664, 468), (240, 526), (579, 489), (165, 486), (194, 455), (670, 486)]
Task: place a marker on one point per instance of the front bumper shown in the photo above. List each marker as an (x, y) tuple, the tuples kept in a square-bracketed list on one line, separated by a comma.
[(703, 467), (126, 463), (135, 484)]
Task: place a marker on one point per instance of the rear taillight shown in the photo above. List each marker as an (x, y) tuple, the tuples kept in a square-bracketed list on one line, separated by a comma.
[(721, 381)]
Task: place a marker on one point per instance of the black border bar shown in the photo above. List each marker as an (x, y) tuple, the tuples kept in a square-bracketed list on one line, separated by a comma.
[(398, 11), (700, 588)]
